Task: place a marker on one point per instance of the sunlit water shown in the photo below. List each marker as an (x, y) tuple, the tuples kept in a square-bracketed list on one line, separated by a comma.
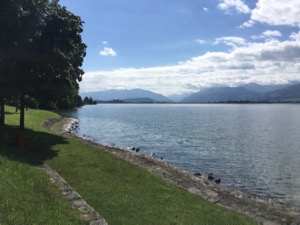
[(252, 148)]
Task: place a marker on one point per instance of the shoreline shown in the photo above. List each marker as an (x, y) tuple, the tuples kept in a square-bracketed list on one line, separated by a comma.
[(261, 210)]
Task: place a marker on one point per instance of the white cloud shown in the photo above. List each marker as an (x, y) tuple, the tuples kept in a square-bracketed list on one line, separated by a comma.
[(234, 5), (271, 62), (104, 42), (205, 9), (231, 41), (271, 33), (295, 36), (200, 41), (108, 52), (249, 23), (268, 34), (277, 12)]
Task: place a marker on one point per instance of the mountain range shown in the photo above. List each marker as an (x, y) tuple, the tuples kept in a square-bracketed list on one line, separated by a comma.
[(135, 95), (249, 92)]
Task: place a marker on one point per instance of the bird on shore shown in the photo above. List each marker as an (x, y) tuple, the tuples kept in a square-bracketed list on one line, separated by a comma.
[(197, 174), (210, 176), (218, 181)]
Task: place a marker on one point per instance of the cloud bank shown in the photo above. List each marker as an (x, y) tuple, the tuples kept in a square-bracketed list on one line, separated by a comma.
[(271, 62), (277, 12), (264, 60), (274, 12)]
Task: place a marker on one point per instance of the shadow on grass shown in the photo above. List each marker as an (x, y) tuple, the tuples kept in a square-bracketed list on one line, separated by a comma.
[(11, 113), (40, 144)]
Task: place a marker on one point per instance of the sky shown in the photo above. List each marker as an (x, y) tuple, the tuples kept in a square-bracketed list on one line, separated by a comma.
[(175, 46)]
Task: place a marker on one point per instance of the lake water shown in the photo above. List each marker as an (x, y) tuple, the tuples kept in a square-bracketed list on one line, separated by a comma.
[(254, 148)]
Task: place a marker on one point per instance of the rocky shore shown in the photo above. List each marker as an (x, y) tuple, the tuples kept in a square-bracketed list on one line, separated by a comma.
[(263, 211)]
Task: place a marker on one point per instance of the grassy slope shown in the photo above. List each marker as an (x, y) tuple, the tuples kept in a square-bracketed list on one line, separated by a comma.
[(26, 194), (121, 192)]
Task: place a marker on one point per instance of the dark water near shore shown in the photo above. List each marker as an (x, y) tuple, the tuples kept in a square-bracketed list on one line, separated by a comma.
[(252, 148)]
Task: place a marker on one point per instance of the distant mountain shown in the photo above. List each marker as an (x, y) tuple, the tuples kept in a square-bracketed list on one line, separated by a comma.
[(218, 94), (139, 100), (286, 94), (125, 94), (243, 93), (264, 88), (178, 97)]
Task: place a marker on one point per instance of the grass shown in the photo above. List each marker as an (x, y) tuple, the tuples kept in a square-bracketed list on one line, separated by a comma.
[(26, 194), (121, 192)]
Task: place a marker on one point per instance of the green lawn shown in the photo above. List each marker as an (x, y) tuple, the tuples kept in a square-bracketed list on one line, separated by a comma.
[(26, 194), (122, 193)]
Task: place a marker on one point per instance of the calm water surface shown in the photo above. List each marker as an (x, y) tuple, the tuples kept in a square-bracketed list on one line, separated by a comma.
[(253, 148)]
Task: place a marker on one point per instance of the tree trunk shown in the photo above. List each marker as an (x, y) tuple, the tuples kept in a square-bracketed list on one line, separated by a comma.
[(2, 112), (22, 111)]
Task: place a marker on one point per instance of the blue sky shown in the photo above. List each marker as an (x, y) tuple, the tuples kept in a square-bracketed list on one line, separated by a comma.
[(175, 46)]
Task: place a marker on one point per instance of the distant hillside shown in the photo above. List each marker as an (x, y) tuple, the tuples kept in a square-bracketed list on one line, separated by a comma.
[(178, 97), (222, 94), (285, 94), (264, 88), (243, 93), (139, 100), (112, 94)]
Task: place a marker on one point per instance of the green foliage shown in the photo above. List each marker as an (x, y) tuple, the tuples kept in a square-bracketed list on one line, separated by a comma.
[(62, 62), (31, 102), (78, 101), (41, 52), (89, 101)]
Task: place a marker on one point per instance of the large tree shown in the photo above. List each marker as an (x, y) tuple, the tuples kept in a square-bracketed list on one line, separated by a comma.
[(62, 62), (21, 21), (41, 50)]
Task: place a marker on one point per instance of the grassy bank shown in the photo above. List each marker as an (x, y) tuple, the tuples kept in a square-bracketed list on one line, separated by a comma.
[(120, 192), (26, 194)]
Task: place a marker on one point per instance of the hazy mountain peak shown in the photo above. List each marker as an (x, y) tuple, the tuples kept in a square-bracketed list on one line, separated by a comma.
[(125, 94)]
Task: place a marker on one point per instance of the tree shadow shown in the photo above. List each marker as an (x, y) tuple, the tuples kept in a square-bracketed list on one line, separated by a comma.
[(15, 145), (11, 113)]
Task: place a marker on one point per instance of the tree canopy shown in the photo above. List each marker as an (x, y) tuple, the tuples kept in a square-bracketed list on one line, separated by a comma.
[(41, 52)]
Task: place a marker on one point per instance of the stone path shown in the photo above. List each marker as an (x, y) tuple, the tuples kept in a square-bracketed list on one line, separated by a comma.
[(87, 213)]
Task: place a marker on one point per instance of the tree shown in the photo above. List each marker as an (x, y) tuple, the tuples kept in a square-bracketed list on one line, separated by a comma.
[(20, 24), (42, 51), (63, 61)]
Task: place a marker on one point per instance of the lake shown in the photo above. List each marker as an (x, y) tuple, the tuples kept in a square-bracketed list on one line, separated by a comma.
[(254, 148)]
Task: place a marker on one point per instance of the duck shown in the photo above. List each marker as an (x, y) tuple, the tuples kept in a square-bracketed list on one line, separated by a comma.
[(197, 174), (218, 181), (210, 176)]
